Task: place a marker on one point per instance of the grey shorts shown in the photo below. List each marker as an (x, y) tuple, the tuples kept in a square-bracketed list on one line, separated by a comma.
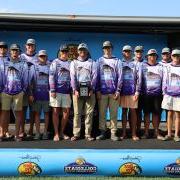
[(38, 106)]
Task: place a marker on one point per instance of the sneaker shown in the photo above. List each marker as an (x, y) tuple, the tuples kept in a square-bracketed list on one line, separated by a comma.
[(37, 136), (167, 138), (101, 136), (45, 136), (177, 139), (114, 137), (89, 138)]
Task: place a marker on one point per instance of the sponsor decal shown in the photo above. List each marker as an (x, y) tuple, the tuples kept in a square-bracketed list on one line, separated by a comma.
[(29, 169), (174, 168), (80, 166), (130, 169), (73, 52)]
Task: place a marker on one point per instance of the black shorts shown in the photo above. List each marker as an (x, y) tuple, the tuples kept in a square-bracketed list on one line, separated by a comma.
[(152, 104)]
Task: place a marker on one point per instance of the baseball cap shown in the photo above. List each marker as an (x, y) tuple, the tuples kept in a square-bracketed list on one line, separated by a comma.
[(14, 47), (176, 52), (3, 44), (64, 47), (107, 44), (83, 46), (139, 48), (152, 51), (31, 41), (166, 50), (42, 53), (127, 48)]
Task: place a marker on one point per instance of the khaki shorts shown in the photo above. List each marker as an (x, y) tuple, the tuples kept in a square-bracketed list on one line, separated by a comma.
[(171, 103), (128, 102), (38, 106), (14, 101), (61, 100)]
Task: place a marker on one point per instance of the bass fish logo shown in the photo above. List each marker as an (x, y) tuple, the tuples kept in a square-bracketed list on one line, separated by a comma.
[(73, 52), (130, 169), (80, 166), (29, 169), (174, 168)]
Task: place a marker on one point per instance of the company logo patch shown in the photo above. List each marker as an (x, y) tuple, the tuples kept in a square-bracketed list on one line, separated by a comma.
[(80, 166), (130, 169), (174, 168), (29, 169)]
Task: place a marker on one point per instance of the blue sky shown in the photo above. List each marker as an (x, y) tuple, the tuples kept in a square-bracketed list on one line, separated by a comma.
[(94, 7)]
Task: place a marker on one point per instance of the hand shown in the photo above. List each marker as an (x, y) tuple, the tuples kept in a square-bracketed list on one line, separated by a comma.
[(116, 96), (90, 93), (135, 97), (31, 99), (76, 93), (53, 94), (98, 95)]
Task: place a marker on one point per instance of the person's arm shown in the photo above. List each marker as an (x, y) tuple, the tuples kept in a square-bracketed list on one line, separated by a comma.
[(73, 77), (119, 76), (25, 77), (52, 77), (164, 80), (94, 76), (138, 79)]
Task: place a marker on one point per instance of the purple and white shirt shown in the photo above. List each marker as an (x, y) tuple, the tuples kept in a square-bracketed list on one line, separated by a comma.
[(152, 79), (132, 77), (39, 76), (171, 80), (15, 77), (59, 77), (83, 71), (109, 75), (2, 69)]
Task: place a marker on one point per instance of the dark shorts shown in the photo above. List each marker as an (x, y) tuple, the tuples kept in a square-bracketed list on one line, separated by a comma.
[(152, 104)]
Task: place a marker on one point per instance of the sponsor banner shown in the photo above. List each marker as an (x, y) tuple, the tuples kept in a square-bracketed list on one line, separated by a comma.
[(72, 162)]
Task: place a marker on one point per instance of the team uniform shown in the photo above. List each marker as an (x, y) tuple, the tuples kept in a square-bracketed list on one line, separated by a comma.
[(39, 76), (83, 71), (171, 88), (109, 83), (131, 73), (15, 82), (151, 87), (59, 81), (31, 61), (2, 63)]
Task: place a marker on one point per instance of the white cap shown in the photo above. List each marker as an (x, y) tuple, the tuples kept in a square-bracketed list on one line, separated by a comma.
[(176, 51), (83, 46), (42, 53), (127, 48)]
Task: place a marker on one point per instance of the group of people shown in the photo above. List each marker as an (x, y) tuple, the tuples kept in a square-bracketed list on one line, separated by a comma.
[(135, 83)]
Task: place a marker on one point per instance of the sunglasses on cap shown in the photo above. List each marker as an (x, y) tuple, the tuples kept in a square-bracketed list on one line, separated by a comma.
[(64, 51), (139, 51), (165, 53), (152, 54), (127, 51), (176, 55)]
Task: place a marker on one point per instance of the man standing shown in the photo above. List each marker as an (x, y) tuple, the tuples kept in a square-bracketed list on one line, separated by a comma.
[(30, 57), (3, 58), (83, 73), (15, 81), (60, 89), (39, 93), (108, 91)]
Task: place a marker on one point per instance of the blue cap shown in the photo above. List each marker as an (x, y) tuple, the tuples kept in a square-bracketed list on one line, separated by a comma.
[(64, 47)]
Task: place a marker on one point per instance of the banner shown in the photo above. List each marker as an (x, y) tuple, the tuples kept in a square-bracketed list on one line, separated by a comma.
[(86, 162)]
